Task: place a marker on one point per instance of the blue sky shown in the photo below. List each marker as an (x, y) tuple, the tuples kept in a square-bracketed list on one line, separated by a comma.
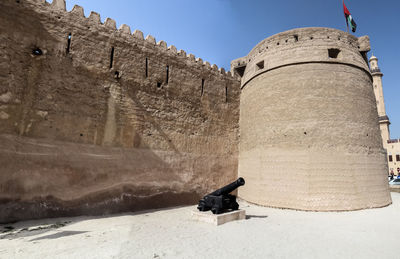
[(219, 31)]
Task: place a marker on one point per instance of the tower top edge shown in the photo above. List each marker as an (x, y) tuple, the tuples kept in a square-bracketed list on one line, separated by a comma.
[(310, 32)]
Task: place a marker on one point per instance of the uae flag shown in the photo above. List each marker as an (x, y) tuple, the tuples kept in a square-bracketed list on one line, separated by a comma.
[(349, 20)]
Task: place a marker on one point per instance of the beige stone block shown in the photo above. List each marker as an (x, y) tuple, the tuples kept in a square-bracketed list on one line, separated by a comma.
[(217, 219), (59, 4), (125, 29), (110, 23), (78, 10), (95, 18), (138, 34)]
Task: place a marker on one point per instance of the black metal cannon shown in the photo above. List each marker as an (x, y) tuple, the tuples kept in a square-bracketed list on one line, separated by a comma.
[(220, 200)]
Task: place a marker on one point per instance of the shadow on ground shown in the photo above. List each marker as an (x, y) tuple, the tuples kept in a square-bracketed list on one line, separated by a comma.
[(256, 216), (40, 226), (59, 234), (26, 230)]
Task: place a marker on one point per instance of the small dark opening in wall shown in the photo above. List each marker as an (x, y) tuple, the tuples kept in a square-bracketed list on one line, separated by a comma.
[(296, 37), (112, 57), (364, 55), (338, 38), (81, 135), (305, 133), (333, 53), (37, 52), (167, 74), (117, 75), (159, 84), (147, 67), (286, 41), (69, 43), (260, 65), (277, 43), (202, 86), (311, 38), (240, 70), (327, 37), (18, 1), (226, 94)]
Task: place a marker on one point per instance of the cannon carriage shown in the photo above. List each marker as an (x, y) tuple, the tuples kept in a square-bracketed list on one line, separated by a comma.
[(220, 200)]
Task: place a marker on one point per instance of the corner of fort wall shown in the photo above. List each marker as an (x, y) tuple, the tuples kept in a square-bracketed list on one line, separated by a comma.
[(96, 119)]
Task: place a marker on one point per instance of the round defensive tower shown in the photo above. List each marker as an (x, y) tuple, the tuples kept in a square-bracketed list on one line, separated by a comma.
[(309, 129)]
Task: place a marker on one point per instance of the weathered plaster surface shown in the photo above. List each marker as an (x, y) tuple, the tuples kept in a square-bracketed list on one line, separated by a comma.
[(83, 134)]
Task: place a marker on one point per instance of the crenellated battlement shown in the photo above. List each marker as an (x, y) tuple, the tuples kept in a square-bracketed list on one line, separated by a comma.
[(58, 7)]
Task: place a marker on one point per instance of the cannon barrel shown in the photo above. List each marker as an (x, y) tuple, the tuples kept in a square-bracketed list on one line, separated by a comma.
[(229, 188)]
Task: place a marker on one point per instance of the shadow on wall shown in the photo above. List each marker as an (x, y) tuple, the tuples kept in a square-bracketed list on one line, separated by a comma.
[(74, 179)]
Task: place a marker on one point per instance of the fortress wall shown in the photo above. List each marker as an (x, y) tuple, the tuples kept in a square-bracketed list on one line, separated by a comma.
[(84, 129), (309, 128)]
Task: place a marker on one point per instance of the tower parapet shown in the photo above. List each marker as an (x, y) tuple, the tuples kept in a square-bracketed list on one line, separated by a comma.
[(301, 46)]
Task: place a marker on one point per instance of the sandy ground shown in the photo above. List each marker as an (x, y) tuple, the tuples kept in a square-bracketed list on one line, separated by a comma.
[(266, 233)]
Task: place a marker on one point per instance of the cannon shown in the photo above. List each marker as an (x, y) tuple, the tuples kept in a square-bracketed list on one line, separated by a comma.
[(220, 200)]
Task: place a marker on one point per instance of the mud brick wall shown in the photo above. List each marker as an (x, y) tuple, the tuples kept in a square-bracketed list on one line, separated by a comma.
[(96, 120)]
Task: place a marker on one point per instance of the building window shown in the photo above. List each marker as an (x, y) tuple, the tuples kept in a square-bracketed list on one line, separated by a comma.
[(390, 158), (397, 158)]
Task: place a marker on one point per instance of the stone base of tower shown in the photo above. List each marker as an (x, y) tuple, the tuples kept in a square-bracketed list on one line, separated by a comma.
[(314, 180)]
